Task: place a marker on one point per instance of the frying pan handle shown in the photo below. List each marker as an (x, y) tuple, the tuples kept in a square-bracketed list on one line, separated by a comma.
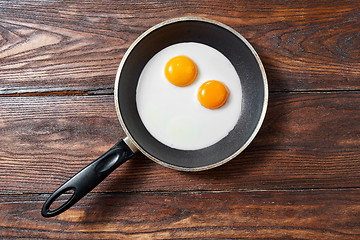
[(88, 178)]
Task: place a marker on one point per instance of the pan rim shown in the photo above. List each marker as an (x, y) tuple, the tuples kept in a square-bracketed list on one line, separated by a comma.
[(201, 19)]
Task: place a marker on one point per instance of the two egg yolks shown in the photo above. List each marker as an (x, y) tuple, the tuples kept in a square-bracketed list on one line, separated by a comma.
[(181, 71)]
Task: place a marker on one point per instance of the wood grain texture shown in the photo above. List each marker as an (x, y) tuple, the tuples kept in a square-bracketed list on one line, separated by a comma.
[(76, 46), (305, 214), (298, 179), (308, 140)]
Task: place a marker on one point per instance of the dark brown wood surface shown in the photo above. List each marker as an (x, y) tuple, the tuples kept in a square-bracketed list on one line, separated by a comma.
[(298, 179), (291, 214)]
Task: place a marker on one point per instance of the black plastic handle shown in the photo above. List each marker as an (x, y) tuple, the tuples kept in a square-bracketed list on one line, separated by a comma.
[(88, 178)]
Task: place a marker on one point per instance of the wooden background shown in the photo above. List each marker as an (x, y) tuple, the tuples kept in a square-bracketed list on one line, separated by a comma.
[(299, 178)]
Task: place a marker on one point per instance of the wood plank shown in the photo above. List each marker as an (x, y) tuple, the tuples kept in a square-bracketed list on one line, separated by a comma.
[(305, 214), (49, 46), (308, 140)]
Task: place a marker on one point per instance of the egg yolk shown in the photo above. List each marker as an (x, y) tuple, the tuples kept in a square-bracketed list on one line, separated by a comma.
[(213, 94), (181, 71)]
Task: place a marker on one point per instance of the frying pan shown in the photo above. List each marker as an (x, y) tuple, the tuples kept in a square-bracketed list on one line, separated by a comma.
[(187, 29)]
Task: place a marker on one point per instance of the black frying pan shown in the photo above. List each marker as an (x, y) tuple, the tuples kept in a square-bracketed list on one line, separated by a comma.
[(189, 29)]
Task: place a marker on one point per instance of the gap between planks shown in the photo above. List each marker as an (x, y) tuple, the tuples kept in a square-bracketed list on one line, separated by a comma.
[(195, 191), (110, 91)]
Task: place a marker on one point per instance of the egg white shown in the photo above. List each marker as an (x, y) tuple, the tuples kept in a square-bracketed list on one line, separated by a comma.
[(173, 115)]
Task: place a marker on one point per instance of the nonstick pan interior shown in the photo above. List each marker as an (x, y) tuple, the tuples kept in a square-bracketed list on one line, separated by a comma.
[(243, 58)]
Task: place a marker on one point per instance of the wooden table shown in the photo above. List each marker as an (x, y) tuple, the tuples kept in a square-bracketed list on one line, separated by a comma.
[(299, 178)]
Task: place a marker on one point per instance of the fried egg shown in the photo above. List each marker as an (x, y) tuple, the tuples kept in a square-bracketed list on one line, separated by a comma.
[(189, 96)]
